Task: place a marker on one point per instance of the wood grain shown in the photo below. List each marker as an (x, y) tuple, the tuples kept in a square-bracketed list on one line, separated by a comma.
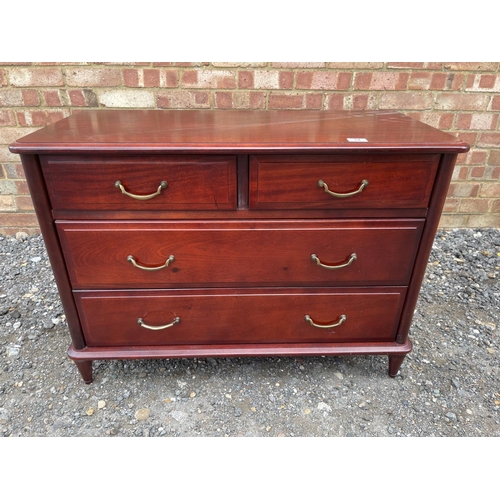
[(194, 182), (249, 253), (239, 316)]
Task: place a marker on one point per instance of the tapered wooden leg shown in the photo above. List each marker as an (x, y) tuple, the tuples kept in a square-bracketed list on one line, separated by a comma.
[(395, 362), (85, 369)]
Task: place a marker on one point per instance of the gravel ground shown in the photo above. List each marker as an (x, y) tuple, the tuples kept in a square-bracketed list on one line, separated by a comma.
[(448, 386)]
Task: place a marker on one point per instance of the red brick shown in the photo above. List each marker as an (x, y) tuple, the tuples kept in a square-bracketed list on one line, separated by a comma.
[(10, 134), (461, 102), (419, 80), (93, 77), (489, 140), (131, 77), (438, 81), (160, 64), (223, 100), (44, 118), (381, 81), (21, 118), (470, 81), (451, 205), (77, 98), (362, 81), (286, 79), (477, 173), (492, 174), (469, 137), (151, 77), (257, 100), (183, 99), (435, 119), (494, 158), (3, 78), (495, 103), (463, 121), (471, 66), (169, 78), (35, 77), (314, 101), (487, 81), (213, 79), (463, 190), (495, 208), (490, 190), (286, 101), (360, 101), (476, 157), (22, 187), (323, 80), (24, 203), (245, 79), (455, 81), (18, 220), (460, 173), (31, 97), (7, 118), (474, 205), (52, 98), (335, 101), (406, 100), (14, 170)]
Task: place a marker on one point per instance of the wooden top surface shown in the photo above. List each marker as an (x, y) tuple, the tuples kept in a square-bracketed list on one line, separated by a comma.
[(235, 131)]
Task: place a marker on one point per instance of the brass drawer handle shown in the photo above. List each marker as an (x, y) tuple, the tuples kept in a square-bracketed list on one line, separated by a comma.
[(352, 258), (162, 327), (341, 320), (324, 185), (163, 185), (131, 259)]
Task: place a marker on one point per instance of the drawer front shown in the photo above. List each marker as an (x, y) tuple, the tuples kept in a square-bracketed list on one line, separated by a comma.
[(238, 317), (170, 182), (329, 253), (363, 181)]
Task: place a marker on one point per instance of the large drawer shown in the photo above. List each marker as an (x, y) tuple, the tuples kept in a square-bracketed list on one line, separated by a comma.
[(239, 316), (363, 181), (283, 253), (174, 182)]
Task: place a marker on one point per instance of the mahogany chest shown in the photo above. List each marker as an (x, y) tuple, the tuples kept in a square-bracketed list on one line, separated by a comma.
[(238, 233)]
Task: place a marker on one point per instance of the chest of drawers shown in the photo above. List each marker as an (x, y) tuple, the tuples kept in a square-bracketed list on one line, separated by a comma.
[(238, 233)]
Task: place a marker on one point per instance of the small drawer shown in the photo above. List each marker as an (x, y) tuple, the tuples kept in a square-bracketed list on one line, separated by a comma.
[(135, 183), (268, 253), (341, 181), (239, 316)]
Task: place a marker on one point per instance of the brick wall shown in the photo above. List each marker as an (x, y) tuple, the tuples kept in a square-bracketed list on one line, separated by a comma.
[(461, 98)]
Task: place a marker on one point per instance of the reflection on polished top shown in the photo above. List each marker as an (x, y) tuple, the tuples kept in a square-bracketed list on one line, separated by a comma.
[(237, 130)]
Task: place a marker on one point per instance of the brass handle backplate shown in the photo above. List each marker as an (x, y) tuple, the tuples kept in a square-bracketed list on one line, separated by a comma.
[(324, 185), (163, 185), (161, 327), (132, 260), (352, 258), (341, 320)]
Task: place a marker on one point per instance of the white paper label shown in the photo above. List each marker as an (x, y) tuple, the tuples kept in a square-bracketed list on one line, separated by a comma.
[(357, 139)]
